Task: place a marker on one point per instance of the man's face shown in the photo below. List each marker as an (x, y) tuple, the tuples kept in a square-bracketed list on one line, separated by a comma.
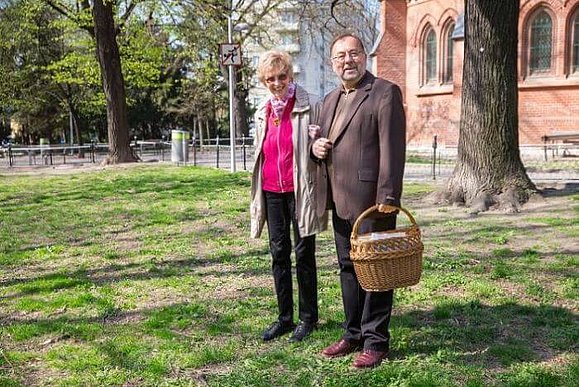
[(348, 61)]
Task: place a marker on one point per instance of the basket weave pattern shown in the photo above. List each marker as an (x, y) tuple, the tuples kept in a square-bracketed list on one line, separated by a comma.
[(383, 263)]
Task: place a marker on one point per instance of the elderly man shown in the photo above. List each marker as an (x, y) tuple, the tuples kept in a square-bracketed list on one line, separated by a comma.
[(360, 155)]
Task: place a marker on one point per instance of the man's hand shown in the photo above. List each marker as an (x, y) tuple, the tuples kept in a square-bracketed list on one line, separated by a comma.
[(321, 148), (386, 208)]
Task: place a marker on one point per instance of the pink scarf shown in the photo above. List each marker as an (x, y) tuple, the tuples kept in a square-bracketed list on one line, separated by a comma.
[(277, 105)]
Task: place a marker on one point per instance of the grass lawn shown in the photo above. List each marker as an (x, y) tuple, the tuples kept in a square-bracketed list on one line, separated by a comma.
[(145, 275)]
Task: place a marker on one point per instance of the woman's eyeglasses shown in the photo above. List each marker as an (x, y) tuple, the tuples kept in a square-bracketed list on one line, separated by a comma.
[(341, 57), (280, 77)]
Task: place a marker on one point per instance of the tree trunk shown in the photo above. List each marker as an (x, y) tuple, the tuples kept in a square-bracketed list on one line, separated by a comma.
[(76, 125), (489, 169), (113, 83), (240, 93), (207, 131), (199, 133), (241, 116)]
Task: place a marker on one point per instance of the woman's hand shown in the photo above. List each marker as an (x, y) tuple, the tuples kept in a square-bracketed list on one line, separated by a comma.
[(314, 131)]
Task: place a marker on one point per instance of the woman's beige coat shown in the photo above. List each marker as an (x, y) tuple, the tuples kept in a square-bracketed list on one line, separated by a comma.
[(303, 113)]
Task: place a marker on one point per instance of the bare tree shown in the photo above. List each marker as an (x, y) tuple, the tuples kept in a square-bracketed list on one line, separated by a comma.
[(330, 17)]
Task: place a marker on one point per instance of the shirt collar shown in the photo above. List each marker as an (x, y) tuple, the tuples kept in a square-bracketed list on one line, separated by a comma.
[(358, 85)]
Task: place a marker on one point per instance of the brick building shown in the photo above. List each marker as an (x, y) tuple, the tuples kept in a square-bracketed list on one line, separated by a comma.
[(421, 49)]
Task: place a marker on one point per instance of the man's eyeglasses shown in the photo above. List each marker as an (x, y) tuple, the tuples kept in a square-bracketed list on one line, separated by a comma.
[(341, 57), (280, 77)]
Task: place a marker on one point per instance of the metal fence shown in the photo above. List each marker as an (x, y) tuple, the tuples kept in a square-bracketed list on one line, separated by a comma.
[(422, 164), (15, 156), (212, 152)]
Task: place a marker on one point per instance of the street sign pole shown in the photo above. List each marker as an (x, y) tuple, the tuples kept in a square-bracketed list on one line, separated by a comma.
[(230, 56), (231, 95)]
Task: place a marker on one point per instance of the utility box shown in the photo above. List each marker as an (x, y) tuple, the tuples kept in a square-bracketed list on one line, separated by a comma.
[(180, 146), (44, 143)]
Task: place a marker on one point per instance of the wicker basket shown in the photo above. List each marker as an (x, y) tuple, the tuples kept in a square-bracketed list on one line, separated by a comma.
[(387, 259)]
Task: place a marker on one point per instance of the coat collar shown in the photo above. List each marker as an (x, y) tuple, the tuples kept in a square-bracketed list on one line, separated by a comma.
[(302, 100)]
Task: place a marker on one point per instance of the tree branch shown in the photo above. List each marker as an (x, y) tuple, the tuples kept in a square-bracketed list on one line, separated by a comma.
[(61, 9), (123, 19), (332, 6)]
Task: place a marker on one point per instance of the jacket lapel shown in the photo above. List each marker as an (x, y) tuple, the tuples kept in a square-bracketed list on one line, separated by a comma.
[(328, 111)]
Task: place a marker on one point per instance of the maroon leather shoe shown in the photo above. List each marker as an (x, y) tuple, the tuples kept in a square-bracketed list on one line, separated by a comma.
[(341, 348), (369, 359)]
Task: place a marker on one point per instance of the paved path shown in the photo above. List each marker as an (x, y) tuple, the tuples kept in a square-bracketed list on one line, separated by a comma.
[(413, 172), (418, 172)]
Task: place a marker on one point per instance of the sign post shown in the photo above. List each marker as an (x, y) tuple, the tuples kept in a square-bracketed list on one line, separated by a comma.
[(230, 55)]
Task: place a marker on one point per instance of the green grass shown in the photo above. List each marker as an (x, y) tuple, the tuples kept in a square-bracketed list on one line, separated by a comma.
[(145, 275)]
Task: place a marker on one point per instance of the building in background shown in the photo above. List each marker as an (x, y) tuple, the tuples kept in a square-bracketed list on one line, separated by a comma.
[(287, 32), (421, 48), (289, 29)]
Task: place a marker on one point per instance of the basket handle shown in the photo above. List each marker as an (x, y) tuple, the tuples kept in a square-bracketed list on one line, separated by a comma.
[(384, 208)]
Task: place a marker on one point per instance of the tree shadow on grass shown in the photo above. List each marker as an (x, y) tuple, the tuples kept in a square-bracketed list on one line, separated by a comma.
[(509, 262), (199, 318), (125, 339), (464, 224), (255, 262), (154, 269), (422, 209), (487, 336), (226, 266), (457, 332), (563, 189)]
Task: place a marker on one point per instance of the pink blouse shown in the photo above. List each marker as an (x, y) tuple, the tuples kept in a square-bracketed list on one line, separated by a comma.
[(278, 152)]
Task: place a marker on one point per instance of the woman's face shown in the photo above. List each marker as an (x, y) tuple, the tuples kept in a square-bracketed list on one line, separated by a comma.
[(277, 81)]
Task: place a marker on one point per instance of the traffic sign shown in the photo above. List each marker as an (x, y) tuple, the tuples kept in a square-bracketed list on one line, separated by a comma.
[(230, 54)]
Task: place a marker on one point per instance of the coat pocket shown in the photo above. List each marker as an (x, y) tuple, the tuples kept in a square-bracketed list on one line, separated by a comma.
[(368, 174)]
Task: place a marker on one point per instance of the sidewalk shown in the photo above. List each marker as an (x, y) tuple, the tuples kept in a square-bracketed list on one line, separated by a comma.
[(423, 172)]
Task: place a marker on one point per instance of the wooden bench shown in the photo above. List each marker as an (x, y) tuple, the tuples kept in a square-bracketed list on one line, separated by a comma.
[(560, 140)]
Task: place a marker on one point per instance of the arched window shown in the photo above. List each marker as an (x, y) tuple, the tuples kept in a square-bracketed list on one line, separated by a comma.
[(429, 49), (575, 44), (541, 38), (448, 60)]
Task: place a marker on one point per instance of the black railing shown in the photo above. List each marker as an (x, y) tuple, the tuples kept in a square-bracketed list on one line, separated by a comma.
[(209, 153), (50, 154)]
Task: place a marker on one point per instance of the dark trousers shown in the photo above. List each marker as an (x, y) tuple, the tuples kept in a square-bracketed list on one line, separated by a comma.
[(281, 212), (367, 313)]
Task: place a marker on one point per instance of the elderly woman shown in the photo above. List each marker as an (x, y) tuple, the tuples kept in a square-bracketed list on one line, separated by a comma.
[(282, 193)]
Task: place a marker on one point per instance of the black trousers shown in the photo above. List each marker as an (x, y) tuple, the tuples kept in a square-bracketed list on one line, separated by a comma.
[(367, 313), (281, 212)]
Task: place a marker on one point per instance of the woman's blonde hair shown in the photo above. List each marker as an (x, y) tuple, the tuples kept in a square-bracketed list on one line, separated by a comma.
[(274, 59)]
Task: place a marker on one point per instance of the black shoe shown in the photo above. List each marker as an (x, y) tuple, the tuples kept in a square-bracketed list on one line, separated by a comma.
[(276, 330), (302, 330)]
